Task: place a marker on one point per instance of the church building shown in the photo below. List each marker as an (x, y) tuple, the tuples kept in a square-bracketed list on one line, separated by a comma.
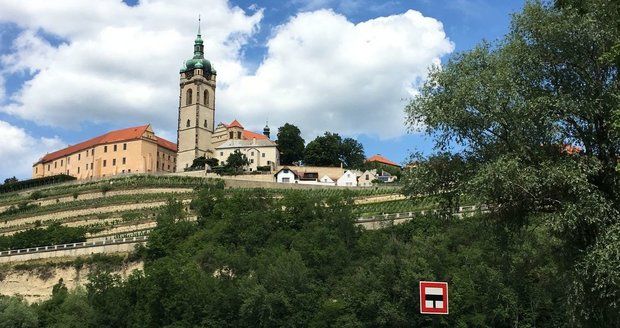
[(198, 135)]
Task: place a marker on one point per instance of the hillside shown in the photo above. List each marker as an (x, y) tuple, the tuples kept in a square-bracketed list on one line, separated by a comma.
[(112, 216)]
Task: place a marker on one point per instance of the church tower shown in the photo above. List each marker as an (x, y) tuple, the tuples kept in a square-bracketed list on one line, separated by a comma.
[(196, 108)]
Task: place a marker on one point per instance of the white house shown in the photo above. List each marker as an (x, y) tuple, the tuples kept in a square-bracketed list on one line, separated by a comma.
[(260, 152), (286, 175), (348, 179), (327, 180), (366, 179)]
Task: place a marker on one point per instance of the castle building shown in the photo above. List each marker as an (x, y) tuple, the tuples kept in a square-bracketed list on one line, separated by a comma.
[(131, 150), (198, 135), (139, 150)]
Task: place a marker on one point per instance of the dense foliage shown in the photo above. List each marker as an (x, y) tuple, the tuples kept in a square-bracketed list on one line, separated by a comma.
[(290, 144), (252, 260), (54, 234), (536, 118), (331, 150), (12, 184)]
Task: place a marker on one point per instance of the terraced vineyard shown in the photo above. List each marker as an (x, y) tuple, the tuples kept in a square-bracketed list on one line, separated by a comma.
[(127, 206)]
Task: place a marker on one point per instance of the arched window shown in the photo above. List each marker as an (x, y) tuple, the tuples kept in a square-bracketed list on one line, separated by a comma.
[(188, 123), (188, 97), (206, 98)]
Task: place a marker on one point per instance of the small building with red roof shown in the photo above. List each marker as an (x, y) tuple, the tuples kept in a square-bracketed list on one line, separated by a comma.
[(131, 150), (381, 160)]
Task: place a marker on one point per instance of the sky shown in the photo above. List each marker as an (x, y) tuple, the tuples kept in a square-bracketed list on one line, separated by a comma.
[(72, 69)]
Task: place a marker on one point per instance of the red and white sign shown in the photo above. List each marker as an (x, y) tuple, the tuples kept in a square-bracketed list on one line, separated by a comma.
[(433, 297)]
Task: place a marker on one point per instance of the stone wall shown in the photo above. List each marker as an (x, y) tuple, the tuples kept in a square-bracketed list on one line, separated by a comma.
[(36, 284)]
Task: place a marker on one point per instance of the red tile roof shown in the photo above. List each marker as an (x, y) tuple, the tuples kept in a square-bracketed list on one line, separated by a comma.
[(234, 124), (128, 134), (166, 144), (380, 159), (249, 135)]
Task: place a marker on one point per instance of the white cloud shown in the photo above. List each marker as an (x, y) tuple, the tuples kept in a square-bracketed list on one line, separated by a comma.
[(323, 72), (119, 64), (20, 150)]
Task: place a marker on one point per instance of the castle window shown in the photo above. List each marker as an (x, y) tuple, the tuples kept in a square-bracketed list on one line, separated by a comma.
[(104, 163), (78, 170), (205, 124), (114, 147), (55, 164), (206, 98), (48, 167), (61, 161), (188, 97), (188, 123), (231, 134), (262, 155), (79, 156), (36, 170), (124, 160), (113, 161), (93, 152), (124, 146), (91, 166), (238, 135), (105, 149)]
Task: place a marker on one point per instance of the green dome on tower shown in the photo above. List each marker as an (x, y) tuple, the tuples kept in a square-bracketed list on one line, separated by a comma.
[(198, 61)]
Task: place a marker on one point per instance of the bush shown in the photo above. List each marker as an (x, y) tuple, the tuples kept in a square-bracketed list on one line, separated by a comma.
[(31, 183), (36, 195), (265, 168)]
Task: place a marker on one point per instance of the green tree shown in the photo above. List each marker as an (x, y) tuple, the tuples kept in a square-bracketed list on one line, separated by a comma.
[(331, 150), (290, 144), (10, 180), (14, 312), (199, 163), (518, 110), (237, 161), (352, 153)]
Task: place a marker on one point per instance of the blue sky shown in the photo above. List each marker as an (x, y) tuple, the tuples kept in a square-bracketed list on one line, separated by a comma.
[(44, 106)]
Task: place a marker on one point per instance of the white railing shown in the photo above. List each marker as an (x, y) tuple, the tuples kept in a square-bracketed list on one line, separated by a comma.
[(407, 215), (136, 239), (63, 247)]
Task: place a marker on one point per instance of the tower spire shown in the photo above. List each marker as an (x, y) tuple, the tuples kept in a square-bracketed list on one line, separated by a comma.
[(199, 24)]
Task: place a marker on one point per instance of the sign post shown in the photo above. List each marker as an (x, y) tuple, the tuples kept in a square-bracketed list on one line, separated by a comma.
[(433, 297)]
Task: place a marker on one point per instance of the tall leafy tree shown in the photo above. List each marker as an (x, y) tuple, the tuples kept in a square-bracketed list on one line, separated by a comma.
[(331, 150), (324, 150), (534, 115), (290, 144), (236, 161), (352, 153)]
